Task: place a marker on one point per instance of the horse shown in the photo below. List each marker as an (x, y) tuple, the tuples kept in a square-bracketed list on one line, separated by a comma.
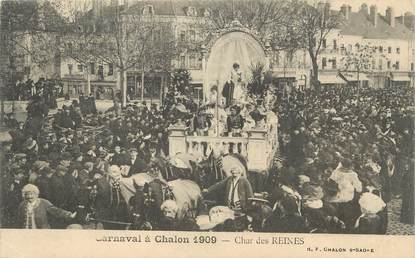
[(145, 195)]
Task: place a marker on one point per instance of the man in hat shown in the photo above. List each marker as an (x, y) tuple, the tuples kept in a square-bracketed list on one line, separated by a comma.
[(65, 119), (235, 122), (136, 163), (109, 203), (235, 189), (13, 197), (43, 182), (65, 159), (119, 158), (35, 171), (201, 122), (59, 196)]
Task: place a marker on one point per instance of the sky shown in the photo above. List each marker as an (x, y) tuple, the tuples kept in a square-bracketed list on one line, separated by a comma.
[(400, 6)]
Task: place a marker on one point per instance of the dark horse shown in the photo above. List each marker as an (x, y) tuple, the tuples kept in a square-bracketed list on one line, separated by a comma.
[(148, 199)]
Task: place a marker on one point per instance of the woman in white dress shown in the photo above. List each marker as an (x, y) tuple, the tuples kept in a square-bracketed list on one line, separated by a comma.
[(236, 79)]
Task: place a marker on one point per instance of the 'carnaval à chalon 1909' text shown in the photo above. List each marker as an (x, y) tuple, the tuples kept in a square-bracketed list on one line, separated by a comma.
[(275, 240)]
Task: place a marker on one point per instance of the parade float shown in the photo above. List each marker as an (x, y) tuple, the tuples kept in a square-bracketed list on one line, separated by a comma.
[(258, 144)]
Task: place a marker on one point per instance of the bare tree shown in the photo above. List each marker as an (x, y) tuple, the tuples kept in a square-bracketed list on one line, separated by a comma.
[(361, 60), (29, 29), (271, 19), (312, 24)]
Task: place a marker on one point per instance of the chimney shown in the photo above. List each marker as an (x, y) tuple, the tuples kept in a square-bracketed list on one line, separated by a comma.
[(345, 10), (364, 9), (390, 16), (374, 15)]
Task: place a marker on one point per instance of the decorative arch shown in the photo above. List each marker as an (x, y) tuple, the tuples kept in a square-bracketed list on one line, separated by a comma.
[(234, 45)]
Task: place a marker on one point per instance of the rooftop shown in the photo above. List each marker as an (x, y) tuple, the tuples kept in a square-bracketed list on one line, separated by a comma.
[(359, 24)]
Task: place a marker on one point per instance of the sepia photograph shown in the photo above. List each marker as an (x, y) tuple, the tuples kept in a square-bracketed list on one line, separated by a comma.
[(248, 117)]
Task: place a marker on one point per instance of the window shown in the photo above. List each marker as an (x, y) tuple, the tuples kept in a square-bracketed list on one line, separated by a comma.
[(290, 57), (92, 68), (192, 35), (324, 43), (334, 44), (333, 63), (70, 67), (80, 68), (182, 35), (397, 65), (148, 10), (101, 72), (398, 50), (193, 61), (389, 50), (380, 49), (349, 48), (389, 65), (110, 69), (413, 51), (380, 64), (373, 64), (324, 63), (182, 62), (412, 67)]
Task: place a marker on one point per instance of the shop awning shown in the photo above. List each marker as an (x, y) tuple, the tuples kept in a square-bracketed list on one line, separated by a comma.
[(331, 79), (352, 76), (400, 77)]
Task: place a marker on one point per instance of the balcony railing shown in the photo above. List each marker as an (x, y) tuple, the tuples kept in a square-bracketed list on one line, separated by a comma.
[(258, 146)]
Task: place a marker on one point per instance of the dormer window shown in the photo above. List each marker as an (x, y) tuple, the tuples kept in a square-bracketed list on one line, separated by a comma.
[(191, 11), (148, 10)]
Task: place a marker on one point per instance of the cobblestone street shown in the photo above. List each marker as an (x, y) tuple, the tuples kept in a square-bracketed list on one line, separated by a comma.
[(395, 227)]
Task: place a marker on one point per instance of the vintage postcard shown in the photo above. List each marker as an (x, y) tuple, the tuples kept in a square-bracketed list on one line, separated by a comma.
[(207, 128)]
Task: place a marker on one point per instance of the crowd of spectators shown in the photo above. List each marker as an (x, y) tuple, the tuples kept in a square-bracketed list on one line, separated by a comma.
[(342, 158), (48, 89)]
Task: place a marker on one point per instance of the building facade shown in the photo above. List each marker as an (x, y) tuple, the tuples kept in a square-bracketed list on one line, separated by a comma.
[(392, 38)]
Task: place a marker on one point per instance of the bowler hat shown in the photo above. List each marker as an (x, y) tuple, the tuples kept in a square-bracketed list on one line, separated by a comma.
[(66, 156)]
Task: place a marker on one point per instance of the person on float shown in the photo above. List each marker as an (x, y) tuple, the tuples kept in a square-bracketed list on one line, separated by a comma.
[(235, 122), (236, 80), (34, 211), (202, 122)]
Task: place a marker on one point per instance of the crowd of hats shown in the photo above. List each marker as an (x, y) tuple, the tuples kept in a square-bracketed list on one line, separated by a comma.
[(317, 129)]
